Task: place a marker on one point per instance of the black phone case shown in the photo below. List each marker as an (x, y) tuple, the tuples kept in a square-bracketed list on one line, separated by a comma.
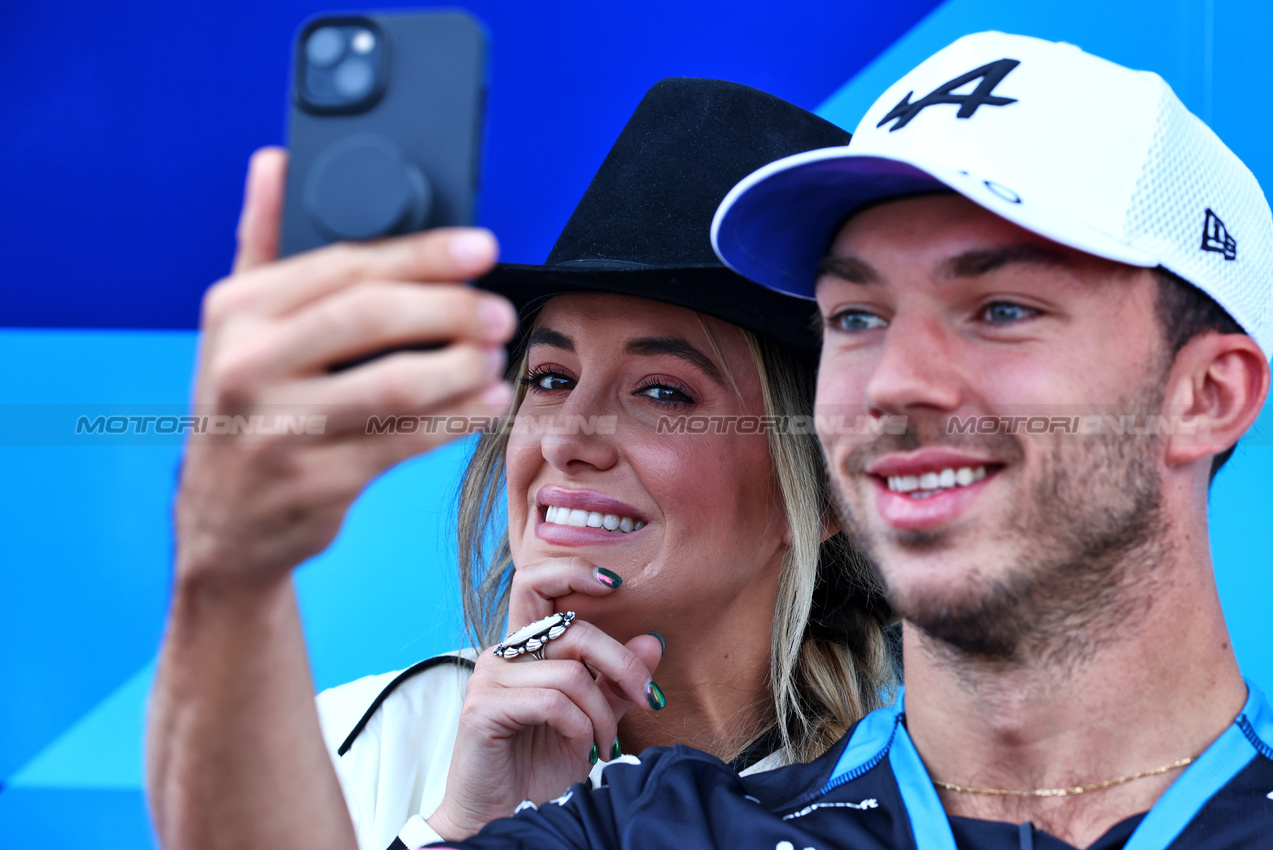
[(427, 118)]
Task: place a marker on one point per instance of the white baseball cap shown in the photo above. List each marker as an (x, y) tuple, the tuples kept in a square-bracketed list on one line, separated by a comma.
[(1070, 146)]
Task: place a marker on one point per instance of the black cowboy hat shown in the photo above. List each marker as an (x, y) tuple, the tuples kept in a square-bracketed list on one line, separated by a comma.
[(642, 227)]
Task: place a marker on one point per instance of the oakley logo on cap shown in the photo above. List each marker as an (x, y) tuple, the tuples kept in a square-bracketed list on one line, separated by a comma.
[(1215, 237), (990, 75)]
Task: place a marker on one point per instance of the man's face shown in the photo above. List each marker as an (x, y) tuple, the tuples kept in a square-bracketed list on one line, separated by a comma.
[(994, 541)]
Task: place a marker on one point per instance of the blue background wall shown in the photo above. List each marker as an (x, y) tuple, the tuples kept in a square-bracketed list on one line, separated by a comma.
[(126, 134)]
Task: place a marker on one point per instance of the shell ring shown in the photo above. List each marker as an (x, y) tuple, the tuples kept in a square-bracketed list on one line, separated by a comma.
[(531, 639)]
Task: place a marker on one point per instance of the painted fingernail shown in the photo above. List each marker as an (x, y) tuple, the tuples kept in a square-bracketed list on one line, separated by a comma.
[(606, 577), (472, 246), (662, 643), (654, 695), (615, 750), (594, 755)]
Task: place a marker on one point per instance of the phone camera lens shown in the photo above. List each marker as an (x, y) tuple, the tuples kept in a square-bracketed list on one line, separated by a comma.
[(325, 46), (354, 77)]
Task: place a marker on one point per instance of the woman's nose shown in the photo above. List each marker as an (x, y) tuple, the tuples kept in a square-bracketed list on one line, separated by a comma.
[(581, 434)]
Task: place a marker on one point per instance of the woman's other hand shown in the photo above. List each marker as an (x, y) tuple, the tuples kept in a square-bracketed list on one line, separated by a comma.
[(252, 506), (530, 729)]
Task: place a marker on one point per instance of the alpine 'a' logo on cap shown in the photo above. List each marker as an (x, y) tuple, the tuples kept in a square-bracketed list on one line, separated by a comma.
[(1215, 237), (990, 75)]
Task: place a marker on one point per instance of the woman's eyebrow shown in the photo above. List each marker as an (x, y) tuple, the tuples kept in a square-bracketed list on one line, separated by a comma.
[(676, 347), (551, 338)]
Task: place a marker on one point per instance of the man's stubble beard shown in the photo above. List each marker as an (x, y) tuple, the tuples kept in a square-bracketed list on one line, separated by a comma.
[(1081, 548)]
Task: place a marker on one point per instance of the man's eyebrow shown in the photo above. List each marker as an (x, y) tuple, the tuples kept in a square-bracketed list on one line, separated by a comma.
[(976, 263), (849, 269), (554, 339), (676, 347)]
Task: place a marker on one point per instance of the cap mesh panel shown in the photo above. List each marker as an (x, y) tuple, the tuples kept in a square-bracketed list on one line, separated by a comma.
[(1187, 171)]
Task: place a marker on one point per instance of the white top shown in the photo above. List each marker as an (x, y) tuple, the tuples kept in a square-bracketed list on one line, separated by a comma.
[(394, 774)]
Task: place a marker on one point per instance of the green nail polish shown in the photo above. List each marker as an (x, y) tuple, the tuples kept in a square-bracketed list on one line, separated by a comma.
[(615, 751), (662, 643), (608, 578), (654, 695), (593, 756)]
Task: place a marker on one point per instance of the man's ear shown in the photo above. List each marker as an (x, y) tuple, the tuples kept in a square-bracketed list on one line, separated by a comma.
[(1217, 386)]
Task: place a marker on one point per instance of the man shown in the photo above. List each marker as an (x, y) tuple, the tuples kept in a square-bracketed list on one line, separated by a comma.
[(1059, 278)]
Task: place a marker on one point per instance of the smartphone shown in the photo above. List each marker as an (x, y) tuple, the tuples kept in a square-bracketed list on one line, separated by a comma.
[(385, 127)]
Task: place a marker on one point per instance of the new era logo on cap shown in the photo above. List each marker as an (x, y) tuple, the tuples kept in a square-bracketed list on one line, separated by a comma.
[(1073, 147), (1215, 237)]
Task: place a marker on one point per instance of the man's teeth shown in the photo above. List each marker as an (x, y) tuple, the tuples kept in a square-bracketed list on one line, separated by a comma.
[(943, 480), (592, 519)]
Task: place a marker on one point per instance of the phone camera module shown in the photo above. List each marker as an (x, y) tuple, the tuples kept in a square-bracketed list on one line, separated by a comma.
[(341, 66)]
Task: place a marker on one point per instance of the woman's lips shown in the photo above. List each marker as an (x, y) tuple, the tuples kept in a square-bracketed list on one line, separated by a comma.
[(572, 517)]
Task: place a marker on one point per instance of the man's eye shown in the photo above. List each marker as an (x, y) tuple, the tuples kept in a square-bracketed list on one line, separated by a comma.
[(856, 320), (1004, 312)]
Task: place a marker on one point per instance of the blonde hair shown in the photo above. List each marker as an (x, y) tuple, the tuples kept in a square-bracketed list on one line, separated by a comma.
[(822, 680)]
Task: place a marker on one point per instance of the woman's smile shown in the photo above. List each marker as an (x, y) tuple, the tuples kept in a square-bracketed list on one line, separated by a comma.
[(575, 517)]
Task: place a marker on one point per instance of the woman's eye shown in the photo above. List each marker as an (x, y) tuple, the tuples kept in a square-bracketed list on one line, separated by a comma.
[(853, 321), (664, 394), (547, 382), (1005, 312)]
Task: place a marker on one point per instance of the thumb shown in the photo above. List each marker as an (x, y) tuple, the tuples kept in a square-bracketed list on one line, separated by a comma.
[(649, 648), (262, 209)]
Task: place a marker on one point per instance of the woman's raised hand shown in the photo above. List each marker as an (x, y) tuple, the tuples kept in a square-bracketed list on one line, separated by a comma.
[(530, 729), (251, 507)]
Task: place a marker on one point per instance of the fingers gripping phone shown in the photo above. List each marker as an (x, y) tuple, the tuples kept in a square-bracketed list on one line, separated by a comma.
[(385, 126)]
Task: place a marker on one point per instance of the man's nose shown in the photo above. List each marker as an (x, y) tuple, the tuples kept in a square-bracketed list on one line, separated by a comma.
[(917, 368)]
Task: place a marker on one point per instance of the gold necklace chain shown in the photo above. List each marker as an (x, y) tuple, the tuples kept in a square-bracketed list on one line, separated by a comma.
[(1064, 792)]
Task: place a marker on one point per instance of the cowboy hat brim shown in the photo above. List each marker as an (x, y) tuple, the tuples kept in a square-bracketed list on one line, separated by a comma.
[(709, 289)]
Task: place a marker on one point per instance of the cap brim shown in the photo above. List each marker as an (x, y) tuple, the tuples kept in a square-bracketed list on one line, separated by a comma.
[(776, 225)]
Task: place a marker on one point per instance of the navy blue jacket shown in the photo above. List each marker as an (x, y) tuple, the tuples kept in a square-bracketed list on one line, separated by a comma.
[(871, 792)]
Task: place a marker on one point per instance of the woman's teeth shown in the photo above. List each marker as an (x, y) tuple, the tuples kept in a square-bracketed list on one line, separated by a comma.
[(928, 484), (592, 519)]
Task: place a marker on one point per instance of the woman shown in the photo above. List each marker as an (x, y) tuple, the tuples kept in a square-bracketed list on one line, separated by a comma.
[(615, 512)]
